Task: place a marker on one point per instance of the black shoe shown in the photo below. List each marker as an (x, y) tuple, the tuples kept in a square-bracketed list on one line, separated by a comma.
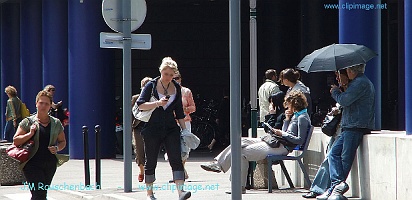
[(341, 188), (310, 195), (230, 191)]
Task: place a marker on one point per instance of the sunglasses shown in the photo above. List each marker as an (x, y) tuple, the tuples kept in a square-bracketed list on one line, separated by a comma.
[(176, 78)]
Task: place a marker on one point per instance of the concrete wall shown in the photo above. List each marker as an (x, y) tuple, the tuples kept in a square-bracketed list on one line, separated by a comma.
[(380, 171)]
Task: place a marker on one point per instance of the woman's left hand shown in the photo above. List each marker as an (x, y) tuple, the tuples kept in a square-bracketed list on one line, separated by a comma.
[(53, 149)]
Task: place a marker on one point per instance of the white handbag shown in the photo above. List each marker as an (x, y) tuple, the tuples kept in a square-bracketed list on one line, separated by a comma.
[(143, 115)]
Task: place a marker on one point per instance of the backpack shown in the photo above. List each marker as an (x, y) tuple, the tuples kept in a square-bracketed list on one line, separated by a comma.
[(24, 111)]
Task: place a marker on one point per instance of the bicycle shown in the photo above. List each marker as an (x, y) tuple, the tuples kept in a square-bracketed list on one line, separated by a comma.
[(204, 123)]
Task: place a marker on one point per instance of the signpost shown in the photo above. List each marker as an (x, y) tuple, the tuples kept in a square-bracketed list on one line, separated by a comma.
[(115, 40), (125, 16)]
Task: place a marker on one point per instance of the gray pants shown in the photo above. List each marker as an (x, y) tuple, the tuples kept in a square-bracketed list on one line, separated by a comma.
[(252, 149)]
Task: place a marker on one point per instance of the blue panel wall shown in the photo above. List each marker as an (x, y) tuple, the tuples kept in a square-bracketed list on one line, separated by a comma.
[(55, 52), (9, 52), (408, 66), (91, 79), (31, 51)]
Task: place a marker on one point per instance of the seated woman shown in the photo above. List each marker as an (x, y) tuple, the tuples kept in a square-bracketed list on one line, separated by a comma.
[(294, 131)]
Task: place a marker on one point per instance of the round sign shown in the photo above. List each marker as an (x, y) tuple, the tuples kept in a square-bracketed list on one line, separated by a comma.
[(113, 16)]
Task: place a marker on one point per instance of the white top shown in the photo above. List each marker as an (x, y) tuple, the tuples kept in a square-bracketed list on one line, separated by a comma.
[(171, 99)]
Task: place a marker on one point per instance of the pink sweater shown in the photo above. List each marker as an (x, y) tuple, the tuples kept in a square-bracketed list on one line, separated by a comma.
[(188, 103)]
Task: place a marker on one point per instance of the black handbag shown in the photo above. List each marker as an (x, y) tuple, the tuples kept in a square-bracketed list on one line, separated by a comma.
[(270, 140), (330, 124)]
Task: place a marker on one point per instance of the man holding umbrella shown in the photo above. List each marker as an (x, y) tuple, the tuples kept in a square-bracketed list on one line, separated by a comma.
[(358, 118)]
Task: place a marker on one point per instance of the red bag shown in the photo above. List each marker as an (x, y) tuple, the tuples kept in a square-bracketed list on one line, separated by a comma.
[(20, 153)]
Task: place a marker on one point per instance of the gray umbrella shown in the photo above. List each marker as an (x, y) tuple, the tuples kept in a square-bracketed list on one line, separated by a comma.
[(335, 57)]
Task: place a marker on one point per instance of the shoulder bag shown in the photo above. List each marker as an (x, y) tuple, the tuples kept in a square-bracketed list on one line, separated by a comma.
[(21, 152), (330, 124), (143, 115)]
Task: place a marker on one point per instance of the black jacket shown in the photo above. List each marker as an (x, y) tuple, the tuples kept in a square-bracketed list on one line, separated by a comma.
[(162, 121)]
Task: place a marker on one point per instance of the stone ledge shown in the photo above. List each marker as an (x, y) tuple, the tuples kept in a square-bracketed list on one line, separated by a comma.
[(10, 174)]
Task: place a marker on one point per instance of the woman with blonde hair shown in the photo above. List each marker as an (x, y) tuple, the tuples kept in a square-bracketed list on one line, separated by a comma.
[(162, 127), (13, 113)]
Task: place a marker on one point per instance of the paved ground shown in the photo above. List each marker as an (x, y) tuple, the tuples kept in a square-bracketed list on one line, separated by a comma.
[(203, 185)]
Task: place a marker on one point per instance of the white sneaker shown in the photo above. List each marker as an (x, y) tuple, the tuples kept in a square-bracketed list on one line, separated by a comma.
[(212, 167), (323, 196)]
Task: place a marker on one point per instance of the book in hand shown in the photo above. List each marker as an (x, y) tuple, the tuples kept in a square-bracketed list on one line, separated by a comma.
[(271, 128)]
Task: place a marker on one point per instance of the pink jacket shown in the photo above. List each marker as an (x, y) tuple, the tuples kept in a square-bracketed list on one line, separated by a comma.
[(188, 103)]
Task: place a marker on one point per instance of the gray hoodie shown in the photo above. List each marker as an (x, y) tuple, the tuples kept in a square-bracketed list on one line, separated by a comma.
[(305, 89)]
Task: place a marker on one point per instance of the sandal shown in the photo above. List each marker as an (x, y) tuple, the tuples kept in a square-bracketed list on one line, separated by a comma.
[(186, 175), (140, 177)]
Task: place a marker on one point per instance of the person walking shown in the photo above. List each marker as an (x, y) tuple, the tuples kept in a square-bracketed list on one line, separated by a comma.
[(48, 136), (13, 113), (358, 118), (222, 136), (268, 88), (56, 109), (137, 141), (189, 107), (162, 127)]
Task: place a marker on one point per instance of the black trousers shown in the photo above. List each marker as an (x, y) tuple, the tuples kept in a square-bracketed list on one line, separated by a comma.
[(152, 143), (39, 175)]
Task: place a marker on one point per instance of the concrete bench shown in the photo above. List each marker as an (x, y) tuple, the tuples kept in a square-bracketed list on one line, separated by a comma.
[(10, 174)]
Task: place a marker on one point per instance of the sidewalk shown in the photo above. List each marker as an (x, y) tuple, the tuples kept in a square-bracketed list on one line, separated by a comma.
[(69, 183)]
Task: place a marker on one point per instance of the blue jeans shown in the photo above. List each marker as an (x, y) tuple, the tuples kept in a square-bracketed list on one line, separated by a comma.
[(322, 182), (341, 156), (9, 131)]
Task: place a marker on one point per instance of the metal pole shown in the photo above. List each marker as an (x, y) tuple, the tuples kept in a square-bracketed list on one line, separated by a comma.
[(86, 155), (235, 97), (253, 78), (97, 130), (127, 93)]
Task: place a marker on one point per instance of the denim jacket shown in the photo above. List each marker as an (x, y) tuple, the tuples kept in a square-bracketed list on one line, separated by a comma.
[(358, 103)]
